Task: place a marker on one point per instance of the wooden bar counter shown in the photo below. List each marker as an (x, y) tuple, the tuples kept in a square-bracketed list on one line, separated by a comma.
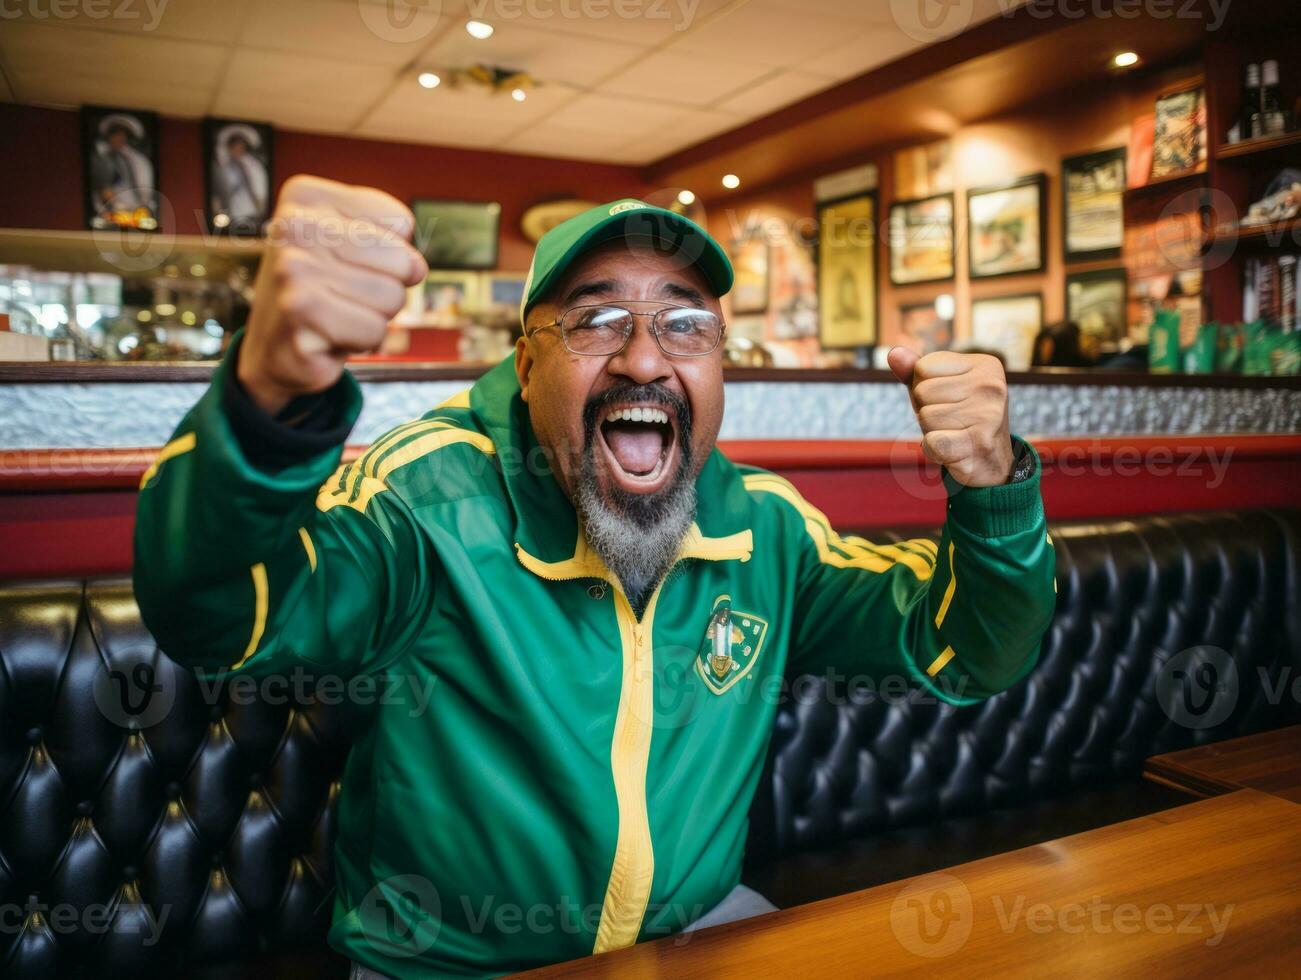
[(1207, 889)]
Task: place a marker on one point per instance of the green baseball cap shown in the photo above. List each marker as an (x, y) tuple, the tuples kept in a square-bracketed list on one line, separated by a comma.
[(634, 221)]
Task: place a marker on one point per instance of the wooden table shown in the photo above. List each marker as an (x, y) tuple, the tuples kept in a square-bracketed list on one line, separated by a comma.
[(1268, 761), (1208, 889)]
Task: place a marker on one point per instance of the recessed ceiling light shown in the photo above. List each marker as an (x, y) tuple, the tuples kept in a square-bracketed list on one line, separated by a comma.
[(428, 79), (518, 94), (479, 29), (686, 198), (1125, 59), (731, 181)]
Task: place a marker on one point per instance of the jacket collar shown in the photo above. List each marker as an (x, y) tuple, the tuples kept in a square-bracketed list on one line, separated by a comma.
[(548, 539)]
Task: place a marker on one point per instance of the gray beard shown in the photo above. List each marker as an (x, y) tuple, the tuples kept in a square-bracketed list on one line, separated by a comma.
[(637, 537)]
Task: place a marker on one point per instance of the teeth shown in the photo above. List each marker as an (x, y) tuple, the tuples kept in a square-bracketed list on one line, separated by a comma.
[(638, 415)]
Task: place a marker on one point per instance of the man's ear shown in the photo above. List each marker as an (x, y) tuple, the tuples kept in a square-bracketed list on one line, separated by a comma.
[(523, 365)]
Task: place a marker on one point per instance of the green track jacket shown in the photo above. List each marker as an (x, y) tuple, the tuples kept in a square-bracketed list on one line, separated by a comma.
[(550, 776)]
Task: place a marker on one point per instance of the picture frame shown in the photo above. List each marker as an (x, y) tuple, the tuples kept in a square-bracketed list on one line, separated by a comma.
[(751, 259), (1097, 302), (846, 271), (504, 290), (1093, 205), (1179, 137), (1006, 228), (1008, 325), (923, 329), (922, 240), (119, 164), (457, 234), (447, 293), (238, 175)]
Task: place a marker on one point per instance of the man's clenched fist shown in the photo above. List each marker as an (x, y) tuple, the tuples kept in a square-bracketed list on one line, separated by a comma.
[(335, 272), (961, 403)]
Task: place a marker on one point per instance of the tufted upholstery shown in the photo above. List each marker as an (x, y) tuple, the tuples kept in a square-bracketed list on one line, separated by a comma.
[(205, 819), (1218, 590)]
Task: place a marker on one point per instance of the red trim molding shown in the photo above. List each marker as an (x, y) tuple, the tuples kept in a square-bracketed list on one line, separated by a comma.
[(72, 512)]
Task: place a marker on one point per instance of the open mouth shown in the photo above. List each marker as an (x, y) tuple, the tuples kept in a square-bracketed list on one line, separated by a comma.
[(641, 442)]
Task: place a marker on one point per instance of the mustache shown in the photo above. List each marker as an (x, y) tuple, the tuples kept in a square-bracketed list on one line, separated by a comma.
[(654, 393)]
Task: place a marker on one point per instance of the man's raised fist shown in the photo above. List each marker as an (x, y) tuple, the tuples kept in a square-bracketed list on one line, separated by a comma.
[(335, 271), (961, 405)]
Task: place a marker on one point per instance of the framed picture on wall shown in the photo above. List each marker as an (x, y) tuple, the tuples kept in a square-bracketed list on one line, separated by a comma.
[(750, 261), (448, 294), (1005, 228), (921, 240), (1179, 141), (238, 159), (1093, 212), (846, 260), (924, 330), (457, 234), (1096, 303), (1007, 325), (505, 290), (119, 161)]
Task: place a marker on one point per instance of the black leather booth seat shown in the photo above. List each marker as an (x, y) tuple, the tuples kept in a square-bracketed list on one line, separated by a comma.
[(191, 830)]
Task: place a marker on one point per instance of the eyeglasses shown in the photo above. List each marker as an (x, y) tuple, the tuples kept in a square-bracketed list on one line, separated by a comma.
[(603, 330)]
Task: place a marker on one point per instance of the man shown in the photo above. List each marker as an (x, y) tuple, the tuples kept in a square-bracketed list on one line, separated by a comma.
[(599, 599)]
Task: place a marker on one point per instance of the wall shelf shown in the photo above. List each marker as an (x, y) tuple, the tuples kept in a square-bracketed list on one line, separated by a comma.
[(1252, 147)]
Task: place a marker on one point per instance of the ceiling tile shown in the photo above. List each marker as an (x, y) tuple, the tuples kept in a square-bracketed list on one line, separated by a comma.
[(774, 92), (296, 77), (559, 141), (371, 33), (313, 117), (199, 20), (681, 131), (646, 23), (548, 57), (43, 50), (601, 113), (72, 89), (687, 78), (768, 35), (878, 46), (472, 131)]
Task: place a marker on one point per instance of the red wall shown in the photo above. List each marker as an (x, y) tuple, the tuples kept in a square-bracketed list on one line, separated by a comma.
[(42, 185)]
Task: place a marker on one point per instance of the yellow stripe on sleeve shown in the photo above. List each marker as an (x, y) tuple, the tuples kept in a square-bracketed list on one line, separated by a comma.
[(308, 547), (948, 593), (939, 662), (259, 573), (177, 447)]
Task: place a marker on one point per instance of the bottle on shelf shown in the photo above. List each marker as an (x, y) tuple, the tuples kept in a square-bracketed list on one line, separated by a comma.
[(1250, 102), (1272, 121)]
